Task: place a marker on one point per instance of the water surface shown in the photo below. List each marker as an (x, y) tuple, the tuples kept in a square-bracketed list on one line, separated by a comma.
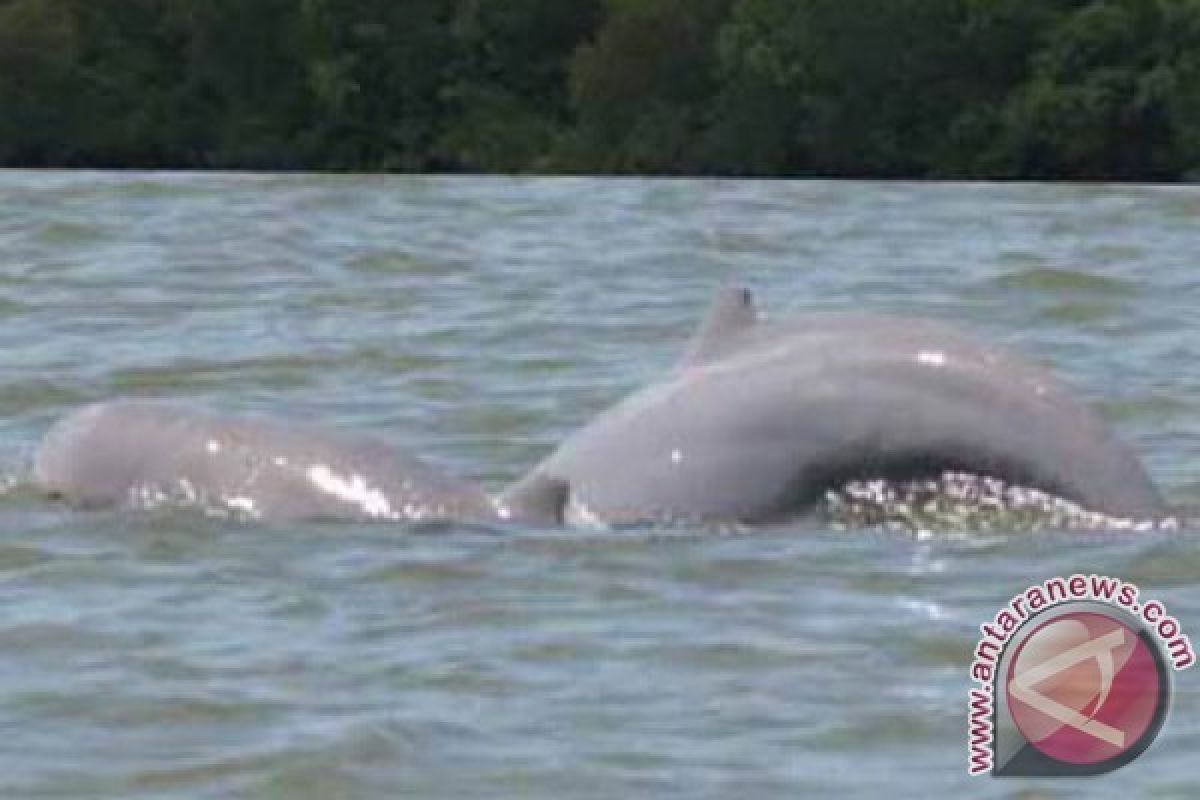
[(477, 321)]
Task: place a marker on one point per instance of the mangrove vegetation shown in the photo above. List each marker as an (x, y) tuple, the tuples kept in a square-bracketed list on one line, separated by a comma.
[(1075, 89)]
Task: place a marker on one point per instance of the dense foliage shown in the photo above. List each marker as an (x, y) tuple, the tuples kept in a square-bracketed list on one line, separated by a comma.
[(923, 88)]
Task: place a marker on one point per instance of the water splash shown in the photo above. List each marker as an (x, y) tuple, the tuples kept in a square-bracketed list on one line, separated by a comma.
[(959, 501), (183, 495)]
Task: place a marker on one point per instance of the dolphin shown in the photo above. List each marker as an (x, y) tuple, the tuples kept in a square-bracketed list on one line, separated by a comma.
[(760, 418), (139, 453)]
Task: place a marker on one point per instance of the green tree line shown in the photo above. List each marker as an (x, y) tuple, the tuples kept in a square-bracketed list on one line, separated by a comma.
[(1081, 89)]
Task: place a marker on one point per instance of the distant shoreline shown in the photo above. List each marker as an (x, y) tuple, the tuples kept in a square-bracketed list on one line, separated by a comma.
[(1079, 90)]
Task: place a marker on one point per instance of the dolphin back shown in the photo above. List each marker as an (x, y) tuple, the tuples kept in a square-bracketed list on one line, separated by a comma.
[(141, 453), (761, 419)]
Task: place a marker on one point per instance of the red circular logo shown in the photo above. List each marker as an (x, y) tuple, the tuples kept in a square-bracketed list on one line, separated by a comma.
[(1084, 688)]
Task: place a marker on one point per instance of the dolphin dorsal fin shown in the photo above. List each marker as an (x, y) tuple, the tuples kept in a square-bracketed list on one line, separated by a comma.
[(732, 311)]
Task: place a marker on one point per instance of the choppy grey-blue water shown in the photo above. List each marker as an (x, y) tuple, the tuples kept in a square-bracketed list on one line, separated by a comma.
[(476, 322)]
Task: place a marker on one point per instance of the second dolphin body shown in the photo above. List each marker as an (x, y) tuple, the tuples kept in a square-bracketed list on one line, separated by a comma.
[(144, 453)]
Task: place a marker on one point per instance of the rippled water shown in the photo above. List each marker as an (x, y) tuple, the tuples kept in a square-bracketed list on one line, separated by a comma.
[(477, 321)]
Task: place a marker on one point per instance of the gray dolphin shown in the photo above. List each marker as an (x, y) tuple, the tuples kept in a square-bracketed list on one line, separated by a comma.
[(143, 453), (760, 418)]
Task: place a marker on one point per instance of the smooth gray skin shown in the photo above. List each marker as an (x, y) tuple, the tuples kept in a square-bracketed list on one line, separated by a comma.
[(760, 418), (135, 453)]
